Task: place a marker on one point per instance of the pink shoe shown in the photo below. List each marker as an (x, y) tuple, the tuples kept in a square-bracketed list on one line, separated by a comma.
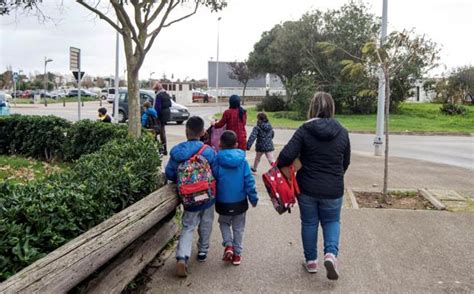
[(311, 266), (330, 262)]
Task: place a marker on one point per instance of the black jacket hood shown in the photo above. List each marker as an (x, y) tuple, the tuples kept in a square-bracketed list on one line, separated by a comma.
[(324, 129)]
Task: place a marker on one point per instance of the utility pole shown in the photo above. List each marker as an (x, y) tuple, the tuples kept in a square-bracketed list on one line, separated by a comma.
[(116, 82), (217, 66), (379, 136), (45, 79)]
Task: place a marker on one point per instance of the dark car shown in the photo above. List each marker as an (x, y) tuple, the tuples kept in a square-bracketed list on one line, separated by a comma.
[(179, 113)]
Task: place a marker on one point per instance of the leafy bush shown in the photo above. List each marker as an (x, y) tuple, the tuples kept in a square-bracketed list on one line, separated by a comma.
[(36, 136), (86, 136), (272, 103), (293, 115), (38, 217), (454, 109)]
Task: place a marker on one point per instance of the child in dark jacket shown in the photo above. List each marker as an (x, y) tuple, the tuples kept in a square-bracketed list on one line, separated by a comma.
[(264, 134), (199, 216), (235, 183)]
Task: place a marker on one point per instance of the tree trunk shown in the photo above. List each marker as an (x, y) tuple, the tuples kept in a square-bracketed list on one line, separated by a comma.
[(134, 122), (243, 94), (387, 112)]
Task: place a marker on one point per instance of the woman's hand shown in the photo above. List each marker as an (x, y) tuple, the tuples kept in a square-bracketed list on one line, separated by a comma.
[(213, 122)]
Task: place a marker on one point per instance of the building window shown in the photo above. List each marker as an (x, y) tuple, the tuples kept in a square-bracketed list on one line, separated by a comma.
[(181, 87)]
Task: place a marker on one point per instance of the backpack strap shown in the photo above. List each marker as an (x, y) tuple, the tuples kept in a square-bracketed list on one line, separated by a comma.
[(201, 150)]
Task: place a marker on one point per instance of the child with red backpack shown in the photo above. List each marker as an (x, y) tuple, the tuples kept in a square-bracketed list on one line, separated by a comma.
[(190, 167), (235, 184)]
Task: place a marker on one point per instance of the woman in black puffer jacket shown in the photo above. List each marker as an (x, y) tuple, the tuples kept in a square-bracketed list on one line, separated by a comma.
[(263, 133), (323, 147)]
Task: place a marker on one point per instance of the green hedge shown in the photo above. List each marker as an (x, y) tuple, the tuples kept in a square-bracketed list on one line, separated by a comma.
[(52, 137), (40, 137), (86, 136), (40, 216)]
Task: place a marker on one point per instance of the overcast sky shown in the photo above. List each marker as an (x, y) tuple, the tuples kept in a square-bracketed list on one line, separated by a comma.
[(184, 48)]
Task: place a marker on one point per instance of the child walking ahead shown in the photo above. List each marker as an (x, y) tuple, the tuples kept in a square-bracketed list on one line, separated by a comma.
[(264, 134), (235, 183), (200, 216)]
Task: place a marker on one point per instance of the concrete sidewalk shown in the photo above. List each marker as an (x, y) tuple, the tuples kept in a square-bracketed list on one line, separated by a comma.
[(381, 251), (396, 251)]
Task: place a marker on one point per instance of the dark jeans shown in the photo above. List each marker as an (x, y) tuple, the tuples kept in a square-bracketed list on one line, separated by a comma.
[(314, 211), (163, 135)]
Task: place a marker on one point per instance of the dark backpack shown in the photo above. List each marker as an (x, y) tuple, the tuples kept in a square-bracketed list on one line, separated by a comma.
[(165, 100), (152, 123)]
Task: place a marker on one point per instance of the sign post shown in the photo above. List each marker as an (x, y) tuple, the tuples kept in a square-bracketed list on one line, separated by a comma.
[(75, 65), (15, 80)]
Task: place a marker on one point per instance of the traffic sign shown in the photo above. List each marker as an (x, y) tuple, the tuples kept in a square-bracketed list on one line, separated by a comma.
[(76, 75), (74, 58), (15, 77)]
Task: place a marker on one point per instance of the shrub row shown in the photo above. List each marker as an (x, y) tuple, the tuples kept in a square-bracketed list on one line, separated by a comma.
[(454, 109), (52, 137), (40, 216)]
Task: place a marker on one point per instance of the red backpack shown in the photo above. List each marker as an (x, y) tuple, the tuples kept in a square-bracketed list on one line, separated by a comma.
[(282, 191)]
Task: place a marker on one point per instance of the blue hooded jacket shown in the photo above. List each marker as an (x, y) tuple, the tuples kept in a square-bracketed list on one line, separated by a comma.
[(149, 111), (235, 182), (182, 152)]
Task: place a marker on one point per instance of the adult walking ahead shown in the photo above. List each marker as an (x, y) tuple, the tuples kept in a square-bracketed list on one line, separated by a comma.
[(235, 119), (323, 147), (162, 106)]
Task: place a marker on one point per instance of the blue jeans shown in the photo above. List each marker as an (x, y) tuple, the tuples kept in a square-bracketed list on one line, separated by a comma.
[(314, 211)]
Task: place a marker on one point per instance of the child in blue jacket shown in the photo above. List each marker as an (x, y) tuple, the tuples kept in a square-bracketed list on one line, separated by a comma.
[(235, 183), (199, 216)]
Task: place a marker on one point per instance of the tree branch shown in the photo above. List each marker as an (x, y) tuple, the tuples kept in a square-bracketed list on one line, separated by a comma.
[(158, 29), (126, 22), (101, 16), (156, 13), (184, 17)]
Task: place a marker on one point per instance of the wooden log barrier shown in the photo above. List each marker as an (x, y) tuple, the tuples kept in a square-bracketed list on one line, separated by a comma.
[(65, 267)]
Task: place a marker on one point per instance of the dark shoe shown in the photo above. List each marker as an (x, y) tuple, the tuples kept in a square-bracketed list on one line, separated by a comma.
[(202, 256), (181, 268)]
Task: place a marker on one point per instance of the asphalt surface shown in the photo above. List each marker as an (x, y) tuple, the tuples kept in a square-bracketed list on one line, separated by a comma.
[(381, 251), (450, 150)]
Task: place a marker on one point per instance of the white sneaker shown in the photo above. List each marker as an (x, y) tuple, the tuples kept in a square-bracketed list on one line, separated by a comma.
[(311, 266), (330, 262)]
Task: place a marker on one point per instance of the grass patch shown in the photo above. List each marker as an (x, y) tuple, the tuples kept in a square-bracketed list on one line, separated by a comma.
[(18, 169), (412, 117)]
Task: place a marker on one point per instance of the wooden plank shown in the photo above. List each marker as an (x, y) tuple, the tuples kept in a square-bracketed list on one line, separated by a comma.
[(130, 262), (428, 196), (68, 265)]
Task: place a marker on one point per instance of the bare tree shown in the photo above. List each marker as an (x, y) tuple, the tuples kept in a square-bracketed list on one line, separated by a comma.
[(241, 72), (139, 23)]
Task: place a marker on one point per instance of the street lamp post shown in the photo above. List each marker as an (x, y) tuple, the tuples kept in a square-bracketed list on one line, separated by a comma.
[(217, 65), (152, 73), (116, 82), (378, 140), (46, 60)]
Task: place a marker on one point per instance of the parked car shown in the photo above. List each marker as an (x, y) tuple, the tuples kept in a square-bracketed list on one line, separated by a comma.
[(60, 93), (27, 94), (84, 93), (111, 93), (179, 113)]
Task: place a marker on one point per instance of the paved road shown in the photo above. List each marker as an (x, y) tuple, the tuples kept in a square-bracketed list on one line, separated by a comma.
[(451, 150)]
